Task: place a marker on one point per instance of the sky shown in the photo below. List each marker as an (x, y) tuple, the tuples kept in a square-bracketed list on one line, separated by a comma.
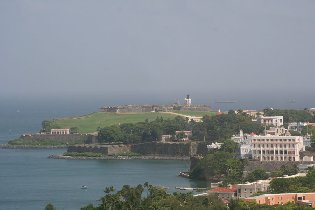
[(259, 53)]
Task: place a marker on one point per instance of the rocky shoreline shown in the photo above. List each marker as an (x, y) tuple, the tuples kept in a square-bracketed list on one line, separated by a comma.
[(146, 157), (9, 146)]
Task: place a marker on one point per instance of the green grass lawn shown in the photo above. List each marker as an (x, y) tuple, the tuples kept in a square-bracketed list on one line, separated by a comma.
[(89, 123)]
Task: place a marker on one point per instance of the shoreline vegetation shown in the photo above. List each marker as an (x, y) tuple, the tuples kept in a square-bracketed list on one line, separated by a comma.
[(118, 157)]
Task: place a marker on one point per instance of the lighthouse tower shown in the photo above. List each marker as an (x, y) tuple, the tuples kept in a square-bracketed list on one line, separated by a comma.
[(188, 101)]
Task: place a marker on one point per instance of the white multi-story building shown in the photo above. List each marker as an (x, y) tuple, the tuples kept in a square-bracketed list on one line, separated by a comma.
[(271, 120), (276, 148)]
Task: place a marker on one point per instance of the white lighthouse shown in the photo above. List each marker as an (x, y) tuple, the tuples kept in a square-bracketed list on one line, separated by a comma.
[(188, 101)]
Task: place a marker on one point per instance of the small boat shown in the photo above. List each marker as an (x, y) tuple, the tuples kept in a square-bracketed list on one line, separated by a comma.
[(84, 187), (184, 174)]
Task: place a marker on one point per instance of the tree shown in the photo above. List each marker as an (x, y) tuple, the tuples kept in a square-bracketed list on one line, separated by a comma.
[(279, 185), (152, 197), (257, 174), (111, 134), (290, 169), (74, 130), (49, 206), (47, 125)]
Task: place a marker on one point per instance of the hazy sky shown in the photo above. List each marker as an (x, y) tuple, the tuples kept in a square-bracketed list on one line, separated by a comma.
[(244, 50)]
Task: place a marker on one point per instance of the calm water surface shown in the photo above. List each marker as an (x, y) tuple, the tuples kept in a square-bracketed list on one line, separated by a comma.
[(29, 180)]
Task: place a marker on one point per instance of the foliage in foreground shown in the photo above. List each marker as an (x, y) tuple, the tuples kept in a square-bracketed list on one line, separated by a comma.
[(143, 197), (151, 197)]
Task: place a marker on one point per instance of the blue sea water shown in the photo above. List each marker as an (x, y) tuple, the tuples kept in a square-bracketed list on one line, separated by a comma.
[(29, 180)]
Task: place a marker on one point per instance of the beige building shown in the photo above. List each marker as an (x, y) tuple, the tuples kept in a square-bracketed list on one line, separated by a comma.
[(249, 189), (276, 131), (61, 131), (276, 148), (253, 113)]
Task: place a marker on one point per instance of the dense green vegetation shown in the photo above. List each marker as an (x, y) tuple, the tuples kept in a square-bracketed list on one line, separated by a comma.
[(220, 165), (261, 174), (297, 184), (222, 127), (215, 128), (142, 131), (49, 206), (146, 196), (291, 115)]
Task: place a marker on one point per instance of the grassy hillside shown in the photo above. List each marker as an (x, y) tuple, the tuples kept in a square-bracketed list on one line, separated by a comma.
[(89, 123)]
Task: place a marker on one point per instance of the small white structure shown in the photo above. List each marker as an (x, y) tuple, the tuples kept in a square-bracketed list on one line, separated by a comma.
[(165, 138), (215, 145), (62, 131), (271, 120), (308, 158)]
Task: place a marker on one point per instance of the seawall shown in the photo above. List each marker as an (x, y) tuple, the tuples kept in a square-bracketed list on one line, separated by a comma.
[(186, 149), (80, 138), (104, 149), (170, 148)]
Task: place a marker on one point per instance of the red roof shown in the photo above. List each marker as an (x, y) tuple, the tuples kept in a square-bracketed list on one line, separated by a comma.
[(231, 189)]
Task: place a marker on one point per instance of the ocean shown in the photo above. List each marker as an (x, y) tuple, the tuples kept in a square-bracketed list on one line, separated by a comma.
[(29, 180)]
